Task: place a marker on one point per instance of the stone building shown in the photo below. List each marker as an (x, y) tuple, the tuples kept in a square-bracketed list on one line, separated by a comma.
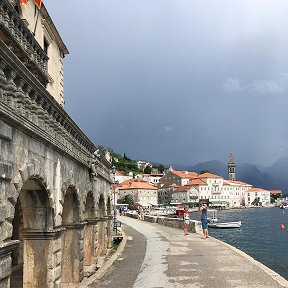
[(55, 187), (177, 177), (142, 192)]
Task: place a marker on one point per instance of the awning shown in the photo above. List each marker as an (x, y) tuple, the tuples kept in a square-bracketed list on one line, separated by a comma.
[(218, 202)]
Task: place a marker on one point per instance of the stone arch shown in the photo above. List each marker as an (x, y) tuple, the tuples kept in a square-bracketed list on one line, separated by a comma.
[(101, 249), (31, 171), (71, 262), (90, 232), (32, 225)]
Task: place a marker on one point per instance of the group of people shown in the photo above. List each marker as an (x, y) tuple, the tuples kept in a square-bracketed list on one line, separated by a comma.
[(204, 222)]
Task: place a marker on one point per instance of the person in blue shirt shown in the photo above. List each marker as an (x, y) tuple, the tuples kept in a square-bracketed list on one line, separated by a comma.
[(204, 221)]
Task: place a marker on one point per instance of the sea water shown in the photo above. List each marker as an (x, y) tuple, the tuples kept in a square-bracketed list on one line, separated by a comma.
[(260, 235)]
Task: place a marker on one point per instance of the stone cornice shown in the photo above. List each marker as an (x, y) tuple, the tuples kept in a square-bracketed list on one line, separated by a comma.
[(8, 247), (27, 104), (40, 234)]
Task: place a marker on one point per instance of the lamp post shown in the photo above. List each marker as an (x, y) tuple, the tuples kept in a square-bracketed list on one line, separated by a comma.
[(114, 198)]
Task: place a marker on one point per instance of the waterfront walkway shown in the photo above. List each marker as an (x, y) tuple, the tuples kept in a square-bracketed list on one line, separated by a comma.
[(157, 256)]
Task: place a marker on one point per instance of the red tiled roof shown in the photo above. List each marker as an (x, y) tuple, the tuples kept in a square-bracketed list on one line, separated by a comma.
[(236, 182), (167, 185), (256, 190), (136, 184), (209, 175), (276, 192), (183, 188), (197, 182), (185, 174)]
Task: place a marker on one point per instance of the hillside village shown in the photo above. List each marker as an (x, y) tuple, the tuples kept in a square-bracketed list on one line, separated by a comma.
[(174, 187)]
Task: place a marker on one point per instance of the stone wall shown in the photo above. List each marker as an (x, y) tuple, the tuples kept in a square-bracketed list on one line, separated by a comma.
[(194, 225)]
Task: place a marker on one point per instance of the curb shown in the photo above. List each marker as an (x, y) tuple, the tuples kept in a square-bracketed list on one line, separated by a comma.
[(88, 281), (278, 278)]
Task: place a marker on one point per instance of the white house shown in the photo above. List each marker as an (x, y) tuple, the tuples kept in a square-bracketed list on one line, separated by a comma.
[(121, 176), (262, 194), (150, 178)]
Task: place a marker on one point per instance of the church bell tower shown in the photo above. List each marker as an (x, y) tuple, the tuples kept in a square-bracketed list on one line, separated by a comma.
[(231, 168)]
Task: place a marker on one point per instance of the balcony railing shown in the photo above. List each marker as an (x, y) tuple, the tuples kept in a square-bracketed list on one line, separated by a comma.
[(16, 35)]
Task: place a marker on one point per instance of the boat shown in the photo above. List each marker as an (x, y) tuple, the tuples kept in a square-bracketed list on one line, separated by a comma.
[(225, 225), (283, 206), (212, 216), (214, 223)]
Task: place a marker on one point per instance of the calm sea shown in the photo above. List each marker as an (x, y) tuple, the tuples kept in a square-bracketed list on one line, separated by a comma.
[(260, 235)]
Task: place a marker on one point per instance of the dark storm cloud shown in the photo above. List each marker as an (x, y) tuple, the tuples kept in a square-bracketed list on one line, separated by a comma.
[(178, 81)]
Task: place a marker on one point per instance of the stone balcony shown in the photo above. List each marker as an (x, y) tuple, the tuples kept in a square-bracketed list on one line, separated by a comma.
[(16, 35)]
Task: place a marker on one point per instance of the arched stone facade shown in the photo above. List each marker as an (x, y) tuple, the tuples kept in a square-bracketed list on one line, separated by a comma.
[(50, 231), (50, 218)]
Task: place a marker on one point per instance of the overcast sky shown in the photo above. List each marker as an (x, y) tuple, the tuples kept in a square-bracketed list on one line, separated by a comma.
[(178, 81)]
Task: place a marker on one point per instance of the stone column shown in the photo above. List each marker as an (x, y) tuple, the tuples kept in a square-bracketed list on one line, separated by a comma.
[(39, 267), (102, 237), (72, 255), (6, 262)]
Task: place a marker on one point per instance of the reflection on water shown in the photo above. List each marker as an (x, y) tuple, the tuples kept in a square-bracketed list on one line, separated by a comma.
[(260, 235)]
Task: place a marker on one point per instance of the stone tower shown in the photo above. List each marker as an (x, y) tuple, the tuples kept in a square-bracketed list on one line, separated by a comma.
[(231, 168)]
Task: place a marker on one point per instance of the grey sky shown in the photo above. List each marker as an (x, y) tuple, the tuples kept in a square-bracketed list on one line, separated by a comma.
[(178, 81)]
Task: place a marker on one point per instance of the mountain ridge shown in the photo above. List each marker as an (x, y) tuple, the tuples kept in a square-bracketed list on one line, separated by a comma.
[(272, 177)]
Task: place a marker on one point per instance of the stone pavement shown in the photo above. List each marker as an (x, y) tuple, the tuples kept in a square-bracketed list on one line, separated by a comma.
[(173, 260)]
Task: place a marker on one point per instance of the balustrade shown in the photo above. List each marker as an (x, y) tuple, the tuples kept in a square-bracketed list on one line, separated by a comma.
[(22, 41)]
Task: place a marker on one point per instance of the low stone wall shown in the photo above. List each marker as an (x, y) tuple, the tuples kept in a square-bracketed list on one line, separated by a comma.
[(194, 225)]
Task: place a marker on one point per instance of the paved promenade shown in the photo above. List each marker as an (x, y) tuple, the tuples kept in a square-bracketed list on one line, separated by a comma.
[(158, 256)]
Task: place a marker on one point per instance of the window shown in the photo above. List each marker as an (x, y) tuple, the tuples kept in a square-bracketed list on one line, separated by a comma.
[(46, 45)]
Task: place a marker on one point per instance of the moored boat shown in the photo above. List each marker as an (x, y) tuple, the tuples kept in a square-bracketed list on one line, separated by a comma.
[(236, 224)]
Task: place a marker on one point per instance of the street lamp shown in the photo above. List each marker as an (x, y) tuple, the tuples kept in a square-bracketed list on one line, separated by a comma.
[(114, 198)]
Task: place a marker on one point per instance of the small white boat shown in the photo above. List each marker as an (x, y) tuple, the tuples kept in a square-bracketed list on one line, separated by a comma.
[(226, 225)]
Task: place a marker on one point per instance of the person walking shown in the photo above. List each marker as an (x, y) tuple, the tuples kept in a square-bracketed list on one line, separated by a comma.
[(186, 217), (204, 221)]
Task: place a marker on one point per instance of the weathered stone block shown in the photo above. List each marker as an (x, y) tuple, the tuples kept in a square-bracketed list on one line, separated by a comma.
[(5, 267), (6, 229), (5, 171), (5, 131), (2, 213)]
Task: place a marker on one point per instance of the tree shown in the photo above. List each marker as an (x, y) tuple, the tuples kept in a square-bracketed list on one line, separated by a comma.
[(127, 199), (148, 169), (161, 168), (204, 171), (256, 201)]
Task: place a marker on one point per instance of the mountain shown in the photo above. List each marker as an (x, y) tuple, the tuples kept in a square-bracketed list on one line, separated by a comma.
[(213, 166)]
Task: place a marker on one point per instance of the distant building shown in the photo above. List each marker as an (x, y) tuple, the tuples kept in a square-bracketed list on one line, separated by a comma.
[(277, 193), (262, 194), (150, 178), (142, 165), (165, 192), (121, 176), (179, 178), (142, 192), (191, 188)]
